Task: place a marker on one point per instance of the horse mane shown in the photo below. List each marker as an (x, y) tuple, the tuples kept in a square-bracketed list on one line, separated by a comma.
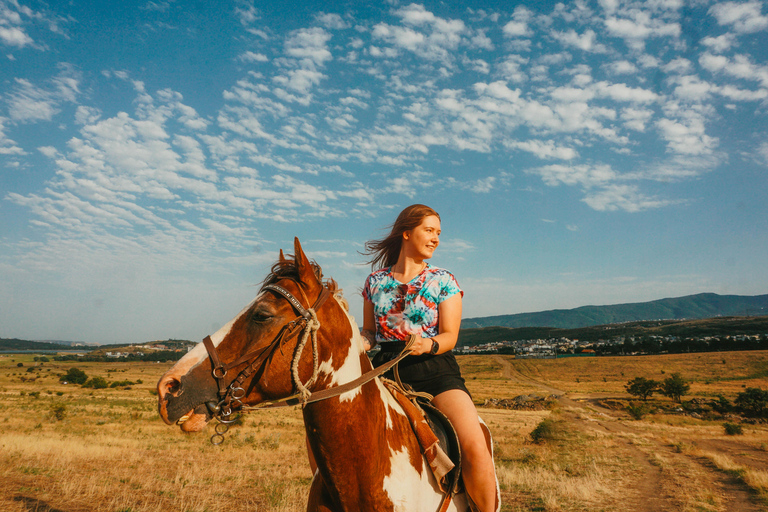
[(287, 269)]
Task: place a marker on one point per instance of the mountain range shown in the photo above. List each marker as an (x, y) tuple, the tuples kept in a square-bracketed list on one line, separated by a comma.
[(703, 305)]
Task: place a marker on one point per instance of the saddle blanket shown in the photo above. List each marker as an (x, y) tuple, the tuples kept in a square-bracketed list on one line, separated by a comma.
[(438, 461)]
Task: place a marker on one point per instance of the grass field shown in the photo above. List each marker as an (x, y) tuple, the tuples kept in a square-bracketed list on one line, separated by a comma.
[(67, 448)]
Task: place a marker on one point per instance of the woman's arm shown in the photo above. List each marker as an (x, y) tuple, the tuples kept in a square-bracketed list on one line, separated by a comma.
[(449, 323), (369, 325)]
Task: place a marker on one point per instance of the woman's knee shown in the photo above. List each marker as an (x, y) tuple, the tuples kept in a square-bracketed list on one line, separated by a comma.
[(474, 448)]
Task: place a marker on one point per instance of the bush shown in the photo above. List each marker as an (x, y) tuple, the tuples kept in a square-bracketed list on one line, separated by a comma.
[(97, 383), (637, 411), (752, 402), (119, 383), (732, 429), (75, 376), (547, 430), (59, 411)]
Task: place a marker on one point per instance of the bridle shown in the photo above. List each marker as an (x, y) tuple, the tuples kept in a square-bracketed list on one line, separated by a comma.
[(230, 396)]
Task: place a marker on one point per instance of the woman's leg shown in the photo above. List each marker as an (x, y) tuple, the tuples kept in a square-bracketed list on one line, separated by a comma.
[(477, 463)]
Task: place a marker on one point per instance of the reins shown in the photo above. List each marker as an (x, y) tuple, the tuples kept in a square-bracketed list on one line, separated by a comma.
[(230, 396)]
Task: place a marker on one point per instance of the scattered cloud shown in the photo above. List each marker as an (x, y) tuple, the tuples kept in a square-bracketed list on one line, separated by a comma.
[(743, 17)]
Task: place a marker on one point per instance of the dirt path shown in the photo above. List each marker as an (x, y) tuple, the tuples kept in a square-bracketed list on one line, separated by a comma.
[(657, 467)]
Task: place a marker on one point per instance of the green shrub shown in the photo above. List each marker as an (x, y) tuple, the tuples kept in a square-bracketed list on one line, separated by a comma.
[(752, 402), (96, 383), (59, 411), (637, 411), (75, 376), (733, 429), (547, 430)]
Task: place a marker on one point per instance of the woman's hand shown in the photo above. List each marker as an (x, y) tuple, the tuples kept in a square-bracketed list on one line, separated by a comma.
[(421, 346)]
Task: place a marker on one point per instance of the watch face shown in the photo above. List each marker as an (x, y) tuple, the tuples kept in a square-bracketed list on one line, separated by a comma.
[(435, 347)]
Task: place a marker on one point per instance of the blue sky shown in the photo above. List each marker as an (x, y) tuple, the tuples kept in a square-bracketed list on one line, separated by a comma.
[(155, 155)]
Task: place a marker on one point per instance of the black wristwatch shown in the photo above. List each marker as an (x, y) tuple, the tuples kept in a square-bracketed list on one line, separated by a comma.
[(435, 347)]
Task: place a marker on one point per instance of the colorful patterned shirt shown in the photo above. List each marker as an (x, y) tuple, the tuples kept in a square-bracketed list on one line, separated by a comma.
[(404, 309)]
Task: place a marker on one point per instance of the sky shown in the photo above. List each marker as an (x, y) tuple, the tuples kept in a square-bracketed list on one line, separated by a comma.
[(156, 155)]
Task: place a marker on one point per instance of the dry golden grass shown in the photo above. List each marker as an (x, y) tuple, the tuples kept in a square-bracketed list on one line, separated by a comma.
[(711, 373), (110, 451)]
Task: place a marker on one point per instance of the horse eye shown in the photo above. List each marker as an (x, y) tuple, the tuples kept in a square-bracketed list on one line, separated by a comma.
[(261, 316)]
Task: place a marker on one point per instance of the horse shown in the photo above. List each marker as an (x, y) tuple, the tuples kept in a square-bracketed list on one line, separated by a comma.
[(367, 456)]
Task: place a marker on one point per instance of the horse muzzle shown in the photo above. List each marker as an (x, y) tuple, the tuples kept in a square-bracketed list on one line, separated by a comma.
[(182, 399)]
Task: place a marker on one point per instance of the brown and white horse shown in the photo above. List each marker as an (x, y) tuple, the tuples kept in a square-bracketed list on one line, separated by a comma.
[(367, 455)]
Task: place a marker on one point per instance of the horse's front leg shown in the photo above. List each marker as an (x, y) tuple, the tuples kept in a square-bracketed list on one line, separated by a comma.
[(319, 497)]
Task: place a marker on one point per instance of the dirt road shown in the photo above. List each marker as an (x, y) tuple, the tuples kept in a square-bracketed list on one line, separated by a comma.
[(667, 470)]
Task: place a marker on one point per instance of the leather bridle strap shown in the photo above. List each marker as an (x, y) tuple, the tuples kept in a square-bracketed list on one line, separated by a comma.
[(325, 394), (219, 369)]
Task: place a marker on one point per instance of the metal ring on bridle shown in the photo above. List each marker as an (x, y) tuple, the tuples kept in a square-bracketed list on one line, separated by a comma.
[(223, 372), (234, 393), (230, 420)]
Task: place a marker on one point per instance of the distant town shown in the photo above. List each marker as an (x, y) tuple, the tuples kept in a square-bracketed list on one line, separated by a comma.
[(619, 345)]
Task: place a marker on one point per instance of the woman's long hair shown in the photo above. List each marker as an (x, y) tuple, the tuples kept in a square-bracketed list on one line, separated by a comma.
[(385, 251)]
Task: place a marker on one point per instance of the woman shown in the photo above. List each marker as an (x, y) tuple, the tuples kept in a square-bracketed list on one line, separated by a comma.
[(407, 296)]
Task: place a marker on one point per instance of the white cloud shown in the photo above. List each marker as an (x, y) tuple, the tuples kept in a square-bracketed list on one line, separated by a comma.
[(586, 41), (545, 150), (309, 44), (636, 119), (331, 21), (11, 31), (679, 65), (640, 27), (8, 146), (720, 43), (588, 176), (762, 152), (743, 17), (484, 185), (31, 103), (624, 197), (740, 66), (426, 35), (14, 36), (622, 67), (687, 137), (253, 57), (518, 26)]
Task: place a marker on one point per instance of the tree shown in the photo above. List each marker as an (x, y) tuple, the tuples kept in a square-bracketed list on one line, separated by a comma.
[(642, 387), (75, 376), (753, 401), (675, 386)]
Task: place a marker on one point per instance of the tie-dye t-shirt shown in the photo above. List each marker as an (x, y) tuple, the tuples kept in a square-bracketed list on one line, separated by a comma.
[(404, 309)]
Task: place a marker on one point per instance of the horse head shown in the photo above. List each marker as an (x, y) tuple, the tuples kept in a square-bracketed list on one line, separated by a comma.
[(294, 338)]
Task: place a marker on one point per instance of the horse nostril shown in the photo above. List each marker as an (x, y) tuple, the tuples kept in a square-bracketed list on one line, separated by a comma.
[(172, 386)]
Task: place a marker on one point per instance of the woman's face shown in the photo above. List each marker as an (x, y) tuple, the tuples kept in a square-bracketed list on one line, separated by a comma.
[(423, 240)]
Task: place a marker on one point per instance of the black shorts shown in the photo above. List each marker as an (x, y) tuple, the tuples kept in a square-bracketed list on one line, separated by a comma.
[(426, 373)]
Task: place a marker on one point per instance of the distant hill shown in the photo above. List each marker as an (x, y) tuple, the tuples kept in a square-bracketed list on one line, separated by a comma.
[(721, 326), (16, 344), (703, 305), (11, 344)]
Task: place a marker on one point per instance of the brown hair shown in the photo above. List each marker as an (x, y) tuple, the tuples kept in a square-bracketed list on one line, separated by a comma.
[(385, 251)]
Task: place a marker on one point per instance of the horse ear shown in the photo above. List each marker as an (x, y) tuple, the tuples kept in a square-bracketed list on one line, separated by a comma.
[(282, 258), (306, 273)]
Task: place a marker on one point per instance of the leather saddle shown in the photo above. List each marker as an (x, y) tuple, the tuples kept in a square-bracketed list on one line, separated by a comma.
[(449, 441)]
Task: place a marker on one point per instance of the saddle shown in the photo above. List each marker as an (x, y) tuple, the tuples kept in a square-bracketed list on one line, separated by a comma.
[(435, 434)]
